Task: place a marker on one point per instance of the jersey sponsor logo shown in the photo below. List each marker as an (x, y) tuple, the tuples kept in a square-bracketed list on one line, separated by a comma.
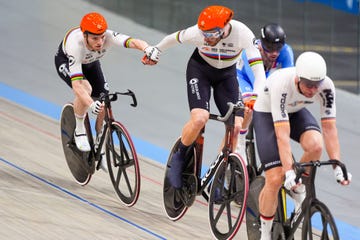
[(115, 34), (63, 70), (227, 44), (88, 56), (212, 166), (255, 42), (282, 105), (267, 165), (328, 96), (71, 60), (195, 87), (93, 56)]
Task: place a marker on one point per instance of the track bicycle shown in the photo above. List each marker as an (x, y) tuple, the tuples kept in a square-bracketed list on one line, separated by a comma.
[(226, 178), (314, 216), (120, 154)]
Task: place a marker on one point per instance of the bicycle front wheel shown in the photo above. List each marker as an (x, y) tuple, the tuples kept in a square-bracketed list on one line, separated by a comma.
[(228, 195), (320, 224), (123, 164)]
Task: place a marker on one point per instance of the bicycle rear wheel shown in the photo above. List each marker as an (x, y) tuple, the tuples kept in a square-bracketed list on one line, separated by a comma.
[(252, 208), (123, 164), (81, 164), (177, 201), (320, 224), (228, 195)]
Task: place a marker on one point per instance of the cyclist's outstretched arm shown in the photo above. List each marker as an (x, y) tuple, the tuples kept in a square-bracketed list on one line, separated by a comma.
[(332, 145)]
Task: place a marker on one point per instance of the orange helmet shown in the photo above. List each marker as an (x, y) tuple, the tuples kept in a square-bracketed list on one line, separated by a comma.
[(214, 17), (93, 23)]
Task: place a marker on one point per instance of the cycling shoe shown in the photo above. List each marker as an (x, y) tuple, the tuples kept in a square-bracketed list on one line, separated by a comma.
[(82, 142), (176, 169)]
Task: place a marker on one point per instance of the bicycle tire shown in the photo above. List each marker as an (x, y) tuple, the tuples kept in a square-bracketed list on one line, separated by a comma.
[(326, 230), (174, 200), (252, 208), (251, 153), (80, 163), (123, 164), (227, 200)]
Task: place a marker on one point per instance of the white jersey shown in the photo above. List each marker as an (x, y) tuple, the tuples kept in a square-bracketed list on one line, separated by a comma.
[(226, 52), (74, 47), (281, 96)]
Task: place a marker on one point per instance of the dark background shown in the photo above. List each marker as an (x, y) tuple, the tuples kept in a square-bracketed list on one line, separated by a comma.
[(309, 25)]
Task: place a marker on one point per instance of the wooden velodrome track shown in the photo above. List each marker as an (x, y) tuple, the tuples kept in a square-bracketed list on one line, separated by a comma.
[(39, 198)]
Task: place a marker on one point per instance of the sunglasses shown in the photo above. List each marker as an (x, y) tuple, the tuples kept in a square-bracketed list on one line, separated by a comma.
[(311, 84), (215, 33), (276, 47)]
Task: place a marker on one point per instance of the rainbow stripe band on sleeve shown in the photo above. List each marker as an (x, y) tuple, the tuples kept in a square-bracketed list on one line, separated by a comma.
[(67, 35), (77, 76), (127, 42), (281, 123), (255, 61), (178, 37), (329, 119)]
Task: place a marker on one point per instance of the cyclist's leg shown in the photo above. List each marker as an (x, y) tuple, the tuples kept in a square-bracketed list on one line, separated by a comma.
[(198, 89), (173, 202), (62, 67), (100, 87), (226, 89), (306, 131), (270, 159), (189, 133)]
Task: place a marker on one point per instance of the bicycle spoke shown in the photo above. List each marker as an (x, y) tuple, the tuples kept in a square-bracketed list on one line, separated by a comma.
[(320, 225), (124, 172), (225, 217)]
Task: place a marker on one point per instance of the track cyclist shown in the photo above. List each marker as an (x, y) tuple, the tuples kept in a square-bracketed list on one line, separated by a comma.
[(219, 41), (77, 63), (280, 114), (276, 54)]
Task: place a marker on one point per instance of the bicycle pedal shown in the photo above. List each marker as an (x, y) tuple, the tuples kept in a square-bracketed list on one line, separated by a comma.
[(188, 198)]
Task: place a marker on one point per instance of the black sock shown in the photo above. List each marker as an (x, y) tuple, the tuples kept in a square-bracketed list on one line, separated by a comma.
[(182, 148)]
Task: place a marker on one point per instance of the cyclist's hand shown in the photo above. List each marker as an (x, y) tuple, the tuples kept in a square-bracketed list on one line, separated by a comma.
[(153, 53), (339, 176), (249, 99), (290, 177), (96, 107), (146, 61), (250, 103)]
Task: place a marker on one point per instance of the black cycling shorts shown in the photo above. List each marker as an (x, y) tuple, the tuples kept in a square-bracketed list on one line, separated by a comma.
[(92, 72), (201, 77), (266, 142)]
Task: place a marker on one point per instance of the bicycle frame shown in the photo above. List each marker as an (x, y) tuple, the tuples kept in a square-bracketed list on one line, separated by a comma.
[(109, 118), (291, 224), (198, 151), (284, 226), (226, 180)]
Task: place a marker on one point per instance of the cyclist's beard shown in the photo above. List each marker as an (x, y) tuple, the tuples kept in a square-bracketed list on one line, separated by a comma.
[(212, 43)]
